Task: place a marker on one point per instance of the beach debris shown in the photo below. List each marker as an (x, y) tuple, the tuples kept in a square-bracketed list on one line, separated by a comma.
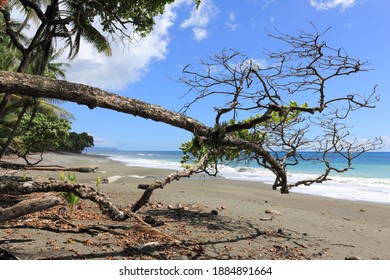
[(300, 245), (287, 253), (143, 186), (181, 207), (18, 166), (362, 210), (269, 218), (273, 212), (147, 245), (136, 176), (6, 254), (159, 205), (153, 222), (114, 178), (214, 212), (353, 258), (223, 207), (345, 245), (108, 180)]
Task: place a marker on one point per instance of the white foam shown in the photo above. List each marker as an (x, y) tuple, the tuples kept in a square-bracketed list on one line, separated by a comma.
[(340, 187), (148, 163)]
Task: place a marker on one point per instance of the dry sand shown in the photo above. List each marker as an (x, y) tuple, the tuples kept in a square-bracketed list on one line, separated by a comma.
[(214, 217)]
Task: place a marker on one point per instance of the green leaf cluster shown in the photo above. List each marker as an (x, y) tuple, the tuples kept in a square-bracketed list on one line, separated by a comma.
[(41, 132), (259, 133), (77, 142), (70, 197)]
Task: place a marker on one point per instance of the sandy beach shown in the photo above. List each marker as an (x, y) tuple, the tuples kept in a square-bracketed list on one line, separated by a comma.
[(213, 218)]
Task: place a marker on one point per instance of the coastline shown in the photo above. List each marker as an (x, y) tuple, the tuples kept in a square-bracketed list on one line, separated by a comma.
[(309, 226)]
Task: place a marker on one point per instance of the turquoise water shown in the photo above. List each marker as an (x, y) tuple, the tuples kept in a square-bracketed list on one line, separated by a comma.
[(368, 180)]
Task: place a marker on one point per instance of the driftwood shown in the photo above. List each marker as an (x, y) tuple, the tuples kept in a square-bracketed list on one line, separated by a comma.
[(28, 206), (18, 166), (159, 184), (6, 254), (83, 191)]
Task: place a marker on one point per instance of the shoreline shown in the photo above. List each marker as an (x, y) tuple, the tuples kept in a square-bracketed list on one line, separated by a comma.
[(324, 228), (293, 191)]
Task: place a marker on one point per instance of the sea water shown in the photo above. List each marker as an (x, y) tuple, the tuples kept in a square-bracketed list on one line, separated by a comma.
[(367, 180)]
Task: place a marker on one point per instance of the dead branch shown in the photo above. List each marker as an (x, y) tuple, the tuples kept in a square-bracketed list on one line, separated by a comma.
[(27, 207), (159, 184), (83, 191), (18, 166)]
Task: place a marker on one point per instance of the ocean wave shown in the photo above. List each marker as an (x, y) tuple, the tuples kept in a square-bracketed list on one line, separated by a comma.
[(148, 163), (339, 187)]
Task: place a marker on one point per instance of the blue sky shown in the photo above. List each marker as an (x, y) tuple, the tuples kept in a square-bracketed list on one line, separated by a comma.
[(148, 69)]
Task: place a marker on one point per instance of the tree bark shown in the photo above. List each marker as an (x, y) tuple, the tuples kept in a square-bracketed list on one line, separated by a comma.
[(83, 191), (82, 169), (159, 184), (37, 86), (27, 207), (13, 132)]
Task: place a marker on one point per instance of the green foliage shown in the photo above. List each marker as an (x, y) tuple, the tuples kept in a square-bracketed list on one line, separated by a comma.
[(193, 150), (77, 142), (70, 197), (97, 182), (72, 200), (41, 133), (116, 18)]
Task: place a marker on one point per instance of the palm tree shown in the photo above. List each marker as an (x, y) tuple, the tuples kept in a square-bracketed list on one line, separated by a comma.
[(42, 105), (53, 25), (14, 112)]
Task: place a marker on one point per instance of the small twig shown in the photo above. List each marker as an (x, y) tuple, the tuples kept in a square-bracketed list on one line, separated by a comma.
[(299, 244), (345, 245), (293, 231), (65, 221)]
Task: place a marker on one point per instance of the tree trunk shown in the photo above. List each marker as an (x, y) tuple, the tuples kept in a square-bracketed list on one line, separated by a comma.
[(17, 166), (82, 191), (27, 207), (159, 184), (13, 132), (4, 102), (36, 86)]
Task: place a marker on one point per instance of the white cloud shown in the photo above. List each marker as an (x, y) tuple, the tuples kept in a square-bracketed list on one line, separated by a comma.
[(199, 33), (259, 63), (200, 18), (231, 23), (331, 4), (127, 64), (266, 3), (101, 142)]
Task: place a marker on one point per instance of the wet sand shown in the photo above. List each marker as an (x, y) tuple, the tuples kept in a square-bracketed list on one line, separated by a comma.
[(227, 218)]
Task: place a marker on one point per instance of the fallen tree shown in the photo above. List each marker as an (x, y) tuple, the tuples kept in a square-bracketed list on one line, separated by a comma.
[(18, 166), (27, 207), (273, 135)]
